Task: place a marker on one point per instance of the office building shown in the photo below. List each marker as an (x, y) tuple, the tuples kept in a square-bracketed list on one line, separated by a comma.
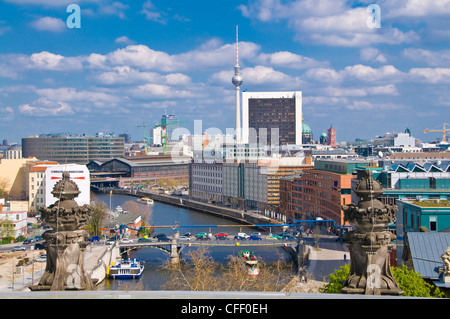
[(139, 171), (321, 192), (73, 149), (272, 118)]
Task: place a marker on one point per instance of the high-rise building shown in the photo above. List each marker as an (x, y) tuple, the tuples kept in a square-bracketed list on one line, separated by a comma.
[(331, 136), (268, 112), (73, 149)]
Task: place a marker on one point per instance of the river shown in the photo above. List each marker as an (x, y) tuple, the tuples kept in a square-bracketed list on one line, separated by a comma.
[(154, 275)]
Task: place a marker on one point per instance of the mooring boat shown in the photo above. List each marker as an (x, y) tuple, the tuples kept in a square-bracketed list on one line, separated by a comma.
[(145, 200), (127, 268), (250, 262)]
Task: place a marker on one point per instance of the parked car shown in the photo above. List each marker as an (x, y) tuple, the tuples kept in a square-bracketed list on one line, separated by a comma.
[(255, 238), (277, 236), (188, 234), (289, 237), (39, 246), (201, 235), (28, 241), (144, 240), (126, 241), (164, 239), (184, 238), (272, 237), (256, 234), (221, 235), (160, 235), (93, 239), (243, 235), (240, 237), (41, 258), (19, 248)]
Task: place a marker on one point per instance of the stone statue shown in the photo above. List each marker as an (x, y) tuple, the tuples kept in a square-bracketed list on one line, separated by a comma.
[(66, 242), (446, 259), (370, 244)]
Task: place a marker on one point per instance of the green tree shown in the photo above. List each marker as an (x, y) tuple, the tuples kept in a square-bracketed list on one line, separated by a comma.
[(98, 213), (409, 281), (413, 284), (336, 280)]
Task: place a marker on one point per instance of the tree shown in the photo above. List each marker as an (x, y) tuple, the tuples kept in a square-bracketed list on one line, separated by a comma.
[(4, 185), (409, 281), (413, 284), (98, 213), (199, 272)]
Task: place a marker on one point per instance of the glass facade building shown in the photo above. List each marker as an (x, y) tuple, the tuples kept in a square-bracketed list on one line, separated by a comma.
[(73, 149)]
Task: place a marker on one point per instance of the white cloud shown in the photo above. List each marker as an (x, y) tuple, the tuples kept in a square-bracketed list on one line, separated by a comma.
[(49, 24), (372, 54), (326, 75), (151, 13), (431, 75), (433, 58), (43, 108), (389, 89), (158, 91), (416, 8), (368, 106), (367, 73), (329, 22), (289, 60), (49, 61), (124, 40)]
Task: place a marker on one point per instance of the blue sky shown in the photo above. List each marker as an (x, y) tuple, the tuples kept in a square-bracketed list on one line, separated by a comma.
[(131, 61)]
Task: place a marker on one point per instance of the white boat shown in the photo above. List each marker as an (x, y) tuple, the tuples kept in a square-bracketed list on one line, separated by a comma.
[(125, 269), (145, 200), (119, 209)]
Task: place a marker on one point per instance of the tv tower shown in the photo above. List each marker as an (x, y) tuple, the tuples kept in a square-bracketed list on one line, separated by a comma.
[(237, 81)]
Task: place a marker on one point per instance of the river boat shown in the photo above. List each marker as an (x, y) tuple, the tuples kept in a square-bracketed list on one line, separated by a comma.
[(126, 269), (119, 209), (250, 261), (145, 200)]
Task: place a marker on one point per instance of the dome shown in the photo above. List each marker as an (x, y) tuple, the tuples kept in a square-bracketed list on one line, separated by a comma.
[(324, 134), (237, 80), (306, 129)]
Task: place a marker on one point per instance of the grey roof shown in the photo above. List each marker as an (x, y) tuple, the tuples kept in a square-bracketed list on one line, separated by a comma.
[(122, 219), (426, 250)]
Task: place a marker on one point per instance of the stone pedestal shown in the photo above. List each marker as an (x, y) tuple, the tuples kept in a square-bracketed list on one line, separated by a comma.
[(370, 244), (65, 266), (66, 242)]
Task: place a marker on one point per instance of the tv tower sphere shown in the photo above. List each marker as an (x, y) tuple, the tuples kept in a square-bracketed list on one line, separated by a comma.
[(237, 78)]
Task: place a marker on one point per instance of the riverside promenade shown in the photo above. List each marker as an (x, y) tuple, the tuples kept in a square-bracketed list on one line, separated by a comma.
[(249, 217), (17, 279)]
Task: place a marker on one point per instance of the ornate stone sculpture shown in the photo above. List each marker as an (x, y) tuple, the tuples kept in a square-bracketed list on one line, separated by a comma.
[(446, 259), (66, 242), (370, 244)]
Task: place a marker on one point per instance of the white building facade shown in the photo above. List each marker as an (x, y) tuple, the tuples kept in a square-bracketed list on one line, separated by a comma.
[(78, 174)]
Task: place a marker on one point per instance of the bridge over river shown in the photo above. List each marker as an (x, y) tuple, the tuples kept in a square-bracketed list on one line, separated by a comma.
[(296, 247)]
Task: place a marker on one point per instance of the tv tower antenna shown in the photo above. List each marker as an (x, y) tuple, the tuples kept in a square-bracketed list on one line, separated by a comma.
[(237, 81)]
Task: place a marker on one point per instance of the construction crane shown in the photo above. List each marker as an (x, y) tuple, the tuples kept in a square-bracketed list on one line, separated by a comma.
[(443, 131), (164, 136), (145, 137)]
